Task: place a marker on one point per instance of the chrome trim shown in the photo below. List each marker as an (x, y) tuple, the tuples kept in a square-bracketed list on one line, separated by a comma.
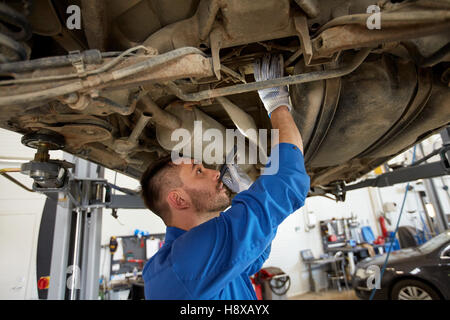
[(441, 256), (364, 288)]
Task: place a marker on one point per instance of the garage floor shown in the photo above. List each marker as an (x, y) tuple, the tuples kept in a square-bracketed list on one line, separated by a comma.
[(327, 295)]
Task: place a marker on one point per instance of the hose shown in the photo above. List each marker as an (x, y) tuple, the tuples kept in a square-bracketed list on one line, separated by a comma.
[(89, 57), (395, 231), (96, 80), (68, 60)]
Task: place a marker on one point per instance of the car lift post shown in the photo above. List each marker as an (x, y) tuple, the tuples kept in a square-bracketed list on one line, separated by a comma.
[(84, 267), (81, 195), (430, 186), (60, 249)]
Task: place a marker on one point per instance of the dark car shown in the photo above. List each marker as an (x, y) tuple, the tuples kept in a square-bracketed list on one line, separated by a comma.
[(420, 273)]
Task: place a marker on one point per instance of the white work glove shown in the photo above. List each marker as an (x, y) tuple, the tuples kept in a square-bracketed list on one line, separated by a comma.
[(235, 179), (271, 67), (233, 176)]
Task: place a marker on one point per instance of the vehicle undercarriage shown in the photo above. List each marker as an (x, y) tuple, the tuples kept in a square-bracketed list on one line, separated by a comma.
[(137, 70)]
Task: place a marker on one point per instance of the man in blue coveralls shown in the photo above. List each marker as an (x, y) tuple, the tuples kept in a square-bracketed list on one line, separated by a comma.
[(210, 253)]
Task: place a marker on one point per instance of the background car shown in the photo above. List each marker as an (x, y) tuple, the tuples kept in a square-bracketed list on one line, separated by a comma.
[(420, 273)]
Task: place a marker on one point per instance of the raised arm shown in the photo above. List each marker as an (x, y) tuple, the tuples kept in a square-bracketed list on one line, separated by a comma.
[(282, 120), (276, 100)]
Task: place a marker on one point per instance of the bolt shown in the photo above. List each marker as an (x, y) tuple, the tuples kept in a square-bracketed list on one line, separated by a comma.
[(89, 132)]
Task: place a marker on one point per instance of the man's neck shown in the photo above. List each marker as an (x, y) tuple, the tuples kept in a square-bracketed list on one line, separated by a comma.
[(189, 221)]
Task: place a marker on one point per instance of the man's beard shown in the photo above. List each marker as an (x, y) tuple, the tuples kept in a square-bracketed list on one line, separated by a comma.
[(212, 201)]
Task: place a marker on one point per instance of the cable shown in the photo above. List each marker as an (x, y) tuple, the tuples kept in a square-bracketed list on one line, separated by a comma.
[(103, 68), (395, 231), (77, 85)]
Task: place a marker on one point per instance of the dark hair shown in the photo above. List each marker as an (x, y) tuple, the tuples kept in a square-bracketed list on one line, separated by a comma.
[(160, 176)]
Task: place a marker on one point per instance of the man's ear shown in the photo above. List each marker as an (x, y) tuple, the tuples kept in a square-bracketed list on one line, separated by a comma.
[(178, 199)]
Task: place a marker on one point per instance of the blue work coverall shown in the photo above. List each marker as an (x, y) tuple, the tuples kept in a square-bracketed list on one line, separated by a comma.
[(215, 259)]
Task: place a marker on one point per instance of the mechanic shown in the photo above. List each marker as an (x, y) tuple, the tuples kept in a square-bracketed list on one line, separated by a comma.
[(210, 253)]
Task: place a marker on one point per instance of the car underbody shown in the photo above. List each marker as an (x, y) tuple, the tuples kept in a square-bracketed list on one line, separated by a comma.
[(136, 70)]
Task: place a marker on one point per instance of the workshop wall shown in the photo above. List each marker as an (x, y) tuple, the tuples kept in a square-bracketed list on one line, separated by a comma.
[(292, 236), (20, 216), (127, 221)]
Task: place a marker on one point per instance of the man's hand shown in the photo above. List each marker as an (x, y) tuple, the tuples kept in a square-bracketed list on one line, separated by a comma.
[(235, 179), (271, 67), (232, 175), (276, 100)]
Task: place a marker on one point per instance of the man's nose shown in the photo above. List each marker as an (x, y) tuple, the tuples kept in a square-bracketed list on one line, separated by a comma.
[(215, 175)]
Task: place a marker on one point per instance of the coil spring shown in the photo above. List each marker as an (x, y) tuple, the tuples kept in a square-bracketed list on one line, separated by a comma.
[(14, 29)]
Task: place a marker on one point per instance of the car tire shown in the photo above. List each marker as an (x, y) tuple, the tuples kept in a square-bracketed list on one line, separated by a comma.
[(410, 289)]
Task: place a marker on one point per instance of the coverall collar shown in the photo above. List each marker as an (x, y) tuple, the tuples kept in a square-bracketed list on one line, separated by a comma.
[(172, 233)]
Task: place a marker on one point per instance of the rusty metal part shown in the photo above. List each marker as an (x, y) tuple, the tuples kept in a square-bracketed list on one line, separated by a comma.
[(233, 73), (42, 154), (245, 124), (293, 57), (158, 115), (150, 111), (241, 20), (189, 66), (290, 80), (301, 25), (353, 36), (215, 42), (77, 130), (78, 135), (88, 56), (101, 105), (123, 146), (206, 14), (103, 78), (105, 106), (390, 19), (76, 101), (95, 23), (310, 7), (78, 60)]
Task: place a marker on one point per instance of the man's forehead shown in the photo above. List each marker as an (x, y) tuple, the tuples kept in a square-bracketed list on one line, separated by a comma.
[(183, 161)]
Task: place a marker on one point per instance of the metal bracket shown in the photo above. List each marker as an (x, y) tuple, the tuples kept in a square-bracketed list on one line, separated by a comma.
[(410, 173), (402, 175), (301, 25), (77, 61), (215, 39)]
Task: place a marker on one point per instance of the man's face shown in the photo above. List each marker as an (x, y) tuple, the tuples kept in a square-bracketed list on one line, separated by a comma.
[(208, 194)]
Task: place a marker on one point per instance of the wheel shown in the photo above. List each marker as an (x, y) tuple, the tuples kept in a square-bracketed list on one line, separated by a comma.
[(413, 290), (54, 141)]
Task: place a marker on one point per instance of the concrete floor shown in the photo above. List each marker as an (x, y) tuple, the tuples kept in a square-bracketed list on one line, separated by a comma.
[(327, 295)]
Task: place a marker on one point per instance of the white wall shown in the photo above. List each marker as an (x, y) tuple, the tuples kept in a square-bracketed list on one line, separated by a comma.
[(20, 216), (292, 236), (128, 220)]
